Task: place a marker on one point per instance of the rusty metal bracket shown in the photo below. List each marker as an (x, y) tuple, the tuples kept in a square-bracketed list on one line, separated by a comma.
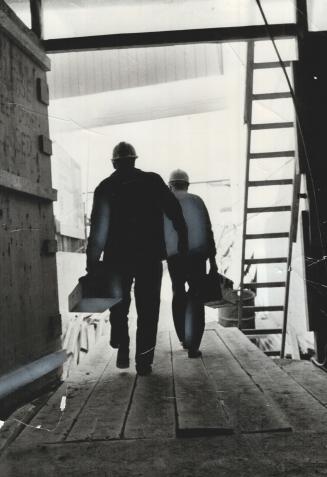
[(49, 247), (42, 91), (45, 145)]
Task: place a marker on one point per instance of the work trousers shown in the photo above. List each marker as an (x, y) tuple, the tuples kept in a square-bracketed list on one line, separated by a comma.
[(147, 275), (187, 307)]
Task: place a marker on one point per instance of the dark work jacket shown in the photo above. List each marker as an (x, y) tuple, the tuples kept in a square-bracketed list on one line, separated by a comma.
[(127, 217)]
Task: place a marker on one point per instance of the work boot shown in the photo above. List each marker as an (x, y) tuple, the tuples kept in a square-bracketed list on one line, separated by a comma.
[(194, 353), (122, 361), (114, 337)]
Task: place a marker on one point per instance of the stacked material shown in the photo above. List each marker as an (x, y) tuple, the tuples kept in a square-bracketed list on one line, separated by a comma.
[(82, 334)]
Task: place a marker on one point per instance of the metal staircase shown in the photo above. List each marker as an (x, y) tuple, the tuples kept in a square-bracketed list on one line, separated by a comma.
[(263, 184)]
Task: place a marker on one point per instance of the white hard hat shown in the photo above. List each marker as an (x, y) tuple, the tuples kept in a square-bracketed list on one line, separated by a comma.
[(179, 176)]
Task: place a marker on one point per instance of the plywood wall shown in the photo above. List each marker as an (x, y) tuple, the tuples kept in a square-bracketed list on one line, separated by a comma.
[(30, 324)]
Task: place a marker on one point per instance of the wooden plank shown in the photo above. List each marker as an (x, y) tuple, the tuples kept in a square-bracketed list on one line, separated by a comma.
[(104, 415), (155, 394), (54, 424), (307, 375), (25, 186), (199, 457), (248, 408), (170, 37), (302, 410), (199, 412)]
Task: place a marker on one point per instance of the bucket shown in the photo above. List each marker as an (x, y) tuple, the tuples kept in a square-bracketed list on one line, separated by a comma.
[(228, 315)]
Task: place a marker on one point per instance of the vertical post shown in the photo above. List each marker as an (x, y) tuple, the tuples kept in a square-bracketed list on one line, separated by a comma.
[(293, 226), (302, 18), (37, 17), (247, 120), (312, 146)]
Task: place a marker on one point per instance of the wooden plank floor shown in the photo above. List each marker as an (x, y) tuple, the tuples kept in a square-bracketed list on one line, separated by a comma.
[(225, 413), (307, 375), (248, 408), (199, 411), (303, 411)]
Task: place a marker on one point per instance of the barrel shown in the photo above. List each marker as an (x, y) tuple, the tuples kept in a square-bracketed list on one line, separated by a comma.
[(228, 315)]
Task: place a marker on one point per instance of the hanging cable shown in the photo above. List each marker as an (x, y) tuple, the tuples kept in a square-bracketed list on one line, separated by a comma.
[(306, 156)]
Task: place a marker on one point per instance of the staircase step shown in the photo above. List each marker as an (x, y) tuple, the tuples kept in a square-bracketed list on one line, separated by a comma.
[(248, 261), (263, 308), (265, 284), (270, 182), (272, 353), (269, 155), (262, 332), (264, 96), (270, 64), (272, 235), (276, 208), (258, 126)]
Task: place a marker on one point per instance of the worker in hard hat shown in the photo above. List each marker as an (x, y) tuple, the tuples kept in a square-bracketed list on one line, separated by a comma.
[(187, 308), (127, 226)]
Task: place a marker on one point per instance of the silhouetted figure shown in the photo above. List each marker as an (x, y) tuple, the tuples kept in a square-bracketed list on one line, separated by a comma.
[(187, 307), (127, 225)]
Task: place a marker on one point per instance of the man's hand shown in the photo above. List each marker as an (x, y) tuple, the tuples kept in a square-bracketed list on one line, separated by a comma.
[(92, 268)]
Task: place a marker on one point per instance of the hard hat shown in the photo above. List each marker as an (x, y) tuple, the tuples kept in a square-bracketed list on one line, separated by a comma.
[(179, 176), (123, 150)]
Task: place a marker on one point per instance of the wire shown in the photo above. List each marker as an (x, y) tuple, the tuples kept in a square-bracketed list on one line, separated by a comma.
[(39, 427), (306, 156)]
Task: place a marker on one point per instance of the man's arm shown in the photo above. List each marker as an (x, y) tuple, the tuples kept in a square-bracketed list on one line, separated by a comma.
[(99, 229), (173, 210), (212, 251)]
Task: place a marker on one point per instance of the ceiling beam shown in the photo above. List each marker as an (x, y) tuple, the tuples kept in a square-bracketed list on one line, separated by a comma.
[(173, 37)]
